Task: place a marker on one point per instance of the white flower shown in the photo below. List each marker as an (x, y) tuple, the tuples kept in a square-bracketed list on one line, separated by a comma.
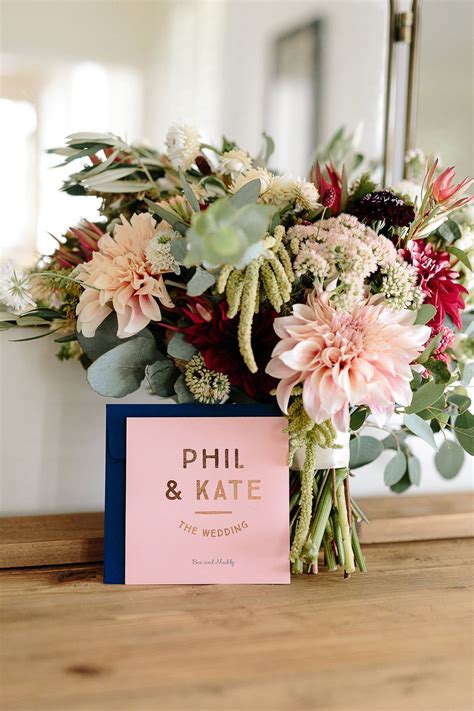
[(158, 251), (262, 174), (14, 289), (409, 188), (234, 162), (182, 144), (307, 195)]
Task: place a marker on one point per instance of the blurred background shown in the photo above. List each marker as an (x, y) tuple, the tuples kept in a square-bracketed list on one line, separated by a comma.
[(298, 70)]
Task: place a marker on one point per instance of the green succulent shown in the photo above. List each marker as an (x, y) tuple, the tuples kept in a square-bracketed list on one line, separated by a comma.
[(227, 234)]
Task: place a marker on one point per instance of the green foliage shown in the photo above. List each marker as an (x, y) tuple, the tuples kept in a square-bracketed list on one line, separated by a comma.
[(420, 428), (266, 152), (182, 392), (449, 459), (432, 345), (402, 485), (106, 338), (248, 194), (121, 370), (439, 370), (362, 187), (425, 313), (200, 282), (461, 255), (414, 470), (188, 192), (224, 234), (179, 348), (395, 469), (464, 429), (364, 450), (172, 218), (161, 376), (425, 396), (449, 232), (358, 418)]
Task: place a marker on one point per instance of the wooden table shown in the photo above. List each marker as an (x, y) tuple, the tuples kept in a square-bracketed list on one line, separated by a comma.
[(399, 637)]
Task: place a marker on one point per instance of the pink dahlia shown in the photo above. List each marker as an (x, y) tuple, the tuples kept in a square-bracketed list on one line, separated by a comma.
[(437, 280), (360, 357), (123, 280)]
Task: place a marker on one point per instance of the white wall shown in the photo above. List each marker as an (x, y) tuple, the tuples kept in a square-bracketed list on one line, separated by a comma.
[(52, 438)]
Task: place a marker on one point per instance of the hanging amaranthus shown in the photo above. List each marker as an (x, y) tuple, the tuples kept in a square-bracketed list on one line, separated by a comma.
[(270, 274)]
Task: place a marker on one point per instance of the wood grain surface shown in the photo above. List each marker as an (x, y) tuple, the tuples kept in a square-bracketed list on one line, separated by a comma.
[(78, 538), (398, 637)]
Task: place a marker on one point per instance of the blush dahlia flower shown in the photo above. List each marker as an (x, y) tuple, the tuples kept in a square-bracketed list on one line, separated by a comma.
[(123, 280), (360, 357)]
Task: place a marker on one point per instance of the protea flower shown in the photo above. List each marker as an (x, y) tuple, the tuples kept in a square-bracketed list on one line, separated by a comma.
[(439, 198), (330, 193), (79, 244)]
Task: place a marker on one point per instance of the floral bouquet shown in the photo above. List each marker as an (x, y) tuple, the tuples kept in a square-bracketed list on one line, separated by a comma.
[(217, 280)]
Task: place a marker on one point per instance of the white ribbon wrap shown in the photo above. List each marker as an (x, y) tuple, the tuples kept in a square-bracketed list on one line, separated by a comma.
[(327, 458)]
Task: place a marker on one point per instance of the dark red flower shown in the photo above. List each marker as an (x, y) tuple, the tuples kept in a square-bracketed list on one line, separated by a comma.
[(383, 206), (437, 280), (214, 334)]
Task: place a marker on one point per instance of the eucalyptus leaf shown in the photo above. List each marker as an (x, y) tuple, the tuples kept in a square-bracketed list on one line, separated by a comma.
[(161, 376), (462, 402), (439, 370), (464, 430), (120, 371), (178, 249), (425, 313), (358, 418), (179, 348), (414, 470), (200, 282), (395, 469), (432, 345), (188, 192), (401, 485), (449, 231), (364, 450), (106, 338), (425, 396), (449, 459), (183, 394), (247, 194), (420, 428)]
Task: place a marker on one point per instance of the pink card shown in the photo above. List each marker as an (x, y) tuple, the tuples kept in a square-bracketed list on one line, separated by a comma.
[(207, 500)]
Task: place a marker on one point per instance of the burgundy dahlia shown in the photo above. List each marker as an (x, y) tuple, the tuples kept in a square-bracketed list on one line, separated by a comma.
[(437, 280), (214, 334), (383, 206)]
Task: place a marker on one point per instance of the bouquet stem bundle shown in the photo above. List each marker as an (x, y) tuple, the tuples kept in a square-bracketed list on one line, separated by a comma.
[(333, 524)]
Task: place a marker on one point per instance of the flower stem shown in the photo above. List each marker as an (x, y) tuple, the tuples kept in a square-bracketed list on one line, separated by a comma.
[(337, 537), (349, 565), (323, 511), (359, 556), (329, 550)]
